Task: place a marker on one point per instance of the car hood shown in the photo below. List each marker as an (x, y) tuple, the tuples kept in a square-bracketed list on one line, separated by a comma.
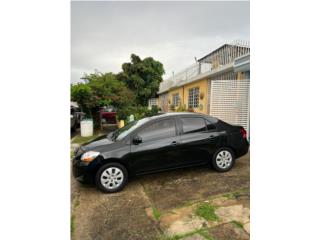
[(97, 143), (102, 144)]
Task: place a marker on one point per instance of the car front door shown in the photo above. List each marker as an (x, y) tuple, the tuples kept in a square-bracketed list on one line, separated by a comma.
[(157, 149), (197, 141)]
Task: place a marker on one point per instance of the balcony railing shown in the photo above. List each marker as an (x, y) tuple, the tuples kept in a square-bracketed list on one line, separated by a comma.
[(185, 75)]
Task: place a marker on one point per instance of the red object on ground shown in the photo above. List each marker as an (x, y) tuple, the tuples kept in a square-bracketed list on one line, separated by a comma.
[(110, 117)]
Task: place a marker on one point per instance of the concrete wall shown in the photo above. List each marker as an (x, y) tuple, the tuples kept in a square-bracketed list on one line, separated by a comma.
[(163, 102)]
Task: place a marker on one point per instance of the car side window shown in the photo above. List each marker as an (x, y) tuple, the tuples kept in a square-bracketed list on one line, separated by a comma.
[(210, 126), (158, 130), (193, 125)]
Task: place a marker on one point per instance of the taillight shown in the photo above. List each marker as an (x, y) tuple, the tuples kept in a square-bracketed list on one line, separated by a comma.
[(243, 133)]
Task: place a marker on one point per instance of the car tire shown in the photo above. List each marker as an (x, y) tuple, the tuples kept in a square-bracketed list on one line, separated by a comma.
[(111, 177), (223, 160)]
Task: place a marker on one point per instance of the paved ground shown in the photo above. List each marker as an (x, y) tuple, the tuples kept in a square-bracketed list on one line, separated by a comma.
[(163, 206)]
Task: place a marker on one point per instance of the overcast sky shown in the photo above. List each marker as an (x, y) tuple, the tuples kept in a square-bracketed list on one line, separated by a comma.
[(104, 34)]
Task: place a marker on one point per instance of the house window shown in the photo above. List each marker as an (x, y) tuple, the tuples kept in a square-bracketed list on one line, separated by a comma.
[(152, 102), (193, 100), (176, 99)]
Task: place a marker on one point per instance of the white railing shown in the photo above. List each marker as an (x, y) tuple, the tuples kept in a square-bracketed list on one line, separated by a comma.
[(185, 75)]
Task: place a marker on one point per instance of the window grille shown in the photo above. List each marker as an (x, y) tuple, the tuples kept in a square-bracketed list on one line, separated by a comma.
[(193, 99), (152, 102), (176, 99)]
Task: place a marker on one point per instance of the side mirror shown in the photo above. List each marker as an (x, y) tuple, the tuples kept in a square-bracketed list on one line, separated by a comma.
[(137, 140)]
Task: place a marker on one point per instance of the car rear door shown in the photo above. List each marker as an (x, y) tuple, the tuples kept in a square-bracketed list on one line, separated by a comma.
[(158, 149), (198, 142)]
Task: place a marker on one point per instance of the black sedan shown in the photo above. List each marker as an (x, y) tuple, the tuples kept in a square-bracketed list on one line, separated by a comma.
[(159, 143)]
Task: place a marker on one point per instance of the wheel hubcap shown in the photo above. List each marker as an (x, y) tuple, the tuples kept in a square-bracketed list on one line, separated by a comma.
[(224, 159), (111, 178)]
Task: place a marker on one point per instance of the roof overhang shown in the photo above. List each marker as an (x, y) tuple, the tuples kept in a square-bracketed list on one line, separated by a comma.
[(209, 74), (242, 64)]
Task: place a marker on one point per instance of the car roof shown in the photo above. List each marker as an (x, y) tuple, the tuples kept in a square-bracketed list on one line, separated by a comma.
[(148, 120), (177, 114)]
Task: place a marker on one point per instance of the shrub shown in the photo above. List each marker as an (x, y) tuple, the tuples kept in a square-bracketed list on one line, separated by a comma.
[(181, 108), (137, 111), (190, 109)]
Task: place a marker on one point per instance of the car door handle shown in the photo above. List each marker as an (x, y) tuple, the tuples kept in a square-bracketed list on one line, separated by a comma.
[(174, 143), (211, 136)]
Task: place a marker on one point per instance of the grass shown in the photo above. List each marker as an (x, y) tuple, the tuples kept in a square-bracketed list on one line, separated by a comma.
[(236, 194), (156, 213), (206, 235), (76, 203), (207, 211), (72, 224), (203, 232), (82, 140), (238, 224), (230, 195)]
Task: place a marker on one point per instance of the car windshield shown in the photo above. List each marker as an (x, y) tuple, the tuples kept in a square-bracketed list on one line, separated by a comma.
[(121, 133)]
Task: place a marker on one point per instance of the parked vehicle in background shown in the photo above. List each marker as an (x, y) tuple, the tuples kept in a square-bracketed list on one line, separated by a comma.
[(75, 115), (108, 115), (159, 143)]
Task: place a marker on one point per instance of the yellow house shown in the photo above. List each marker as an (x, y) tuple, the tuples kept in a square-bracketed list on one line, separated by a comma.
[(192, 96), (190, 89)]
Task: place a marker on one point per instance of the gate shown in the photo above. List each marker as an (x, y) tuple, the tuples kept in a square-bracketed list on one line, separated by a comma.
[(229, 101)]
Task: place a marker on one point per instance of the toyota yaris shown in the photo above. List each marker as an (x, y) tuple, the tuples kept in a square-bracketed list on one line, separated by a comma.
[(159, 143)]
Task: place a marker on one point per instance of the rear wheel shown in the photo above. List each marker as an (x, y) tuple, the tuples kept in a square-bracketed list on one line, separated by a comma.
[(111, 177), (223, 160)]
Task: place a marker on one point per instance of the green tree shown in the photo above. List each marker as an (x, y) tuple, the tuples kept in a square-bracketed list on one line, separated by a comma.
[(128, 91), (82, 94), (108, 90), (143, 77)]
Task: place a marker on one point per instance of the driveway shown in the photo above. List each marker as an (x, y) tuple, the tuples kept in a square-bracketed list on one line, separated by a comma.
[(165, 206)]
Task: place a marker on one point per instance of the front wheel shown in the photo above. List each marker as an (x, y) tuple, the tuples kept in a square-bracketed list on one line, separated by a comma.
[(223, 160), (111, 177)]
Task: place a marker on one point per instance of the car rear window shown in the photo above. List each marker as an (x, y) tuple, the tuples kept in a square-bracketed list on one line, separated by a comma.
[(193, 125)]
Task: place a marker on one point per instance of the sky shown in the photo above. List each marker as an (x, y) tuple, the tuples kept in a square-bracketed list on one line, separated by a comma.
[(105, 34)]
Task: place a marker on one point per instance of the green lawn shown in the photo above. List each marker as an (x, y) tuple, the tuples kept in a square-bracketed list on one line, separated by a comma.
[(82, 140)]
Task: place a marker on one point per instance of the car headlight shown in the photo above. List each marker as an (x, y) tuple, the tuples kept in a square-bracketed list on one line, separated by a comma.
[(89, 156)]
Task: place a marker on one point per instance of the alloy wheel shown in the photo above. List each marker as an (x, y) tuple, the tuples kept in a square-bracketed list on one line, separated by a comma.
[(112, 178), (224, 159)]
